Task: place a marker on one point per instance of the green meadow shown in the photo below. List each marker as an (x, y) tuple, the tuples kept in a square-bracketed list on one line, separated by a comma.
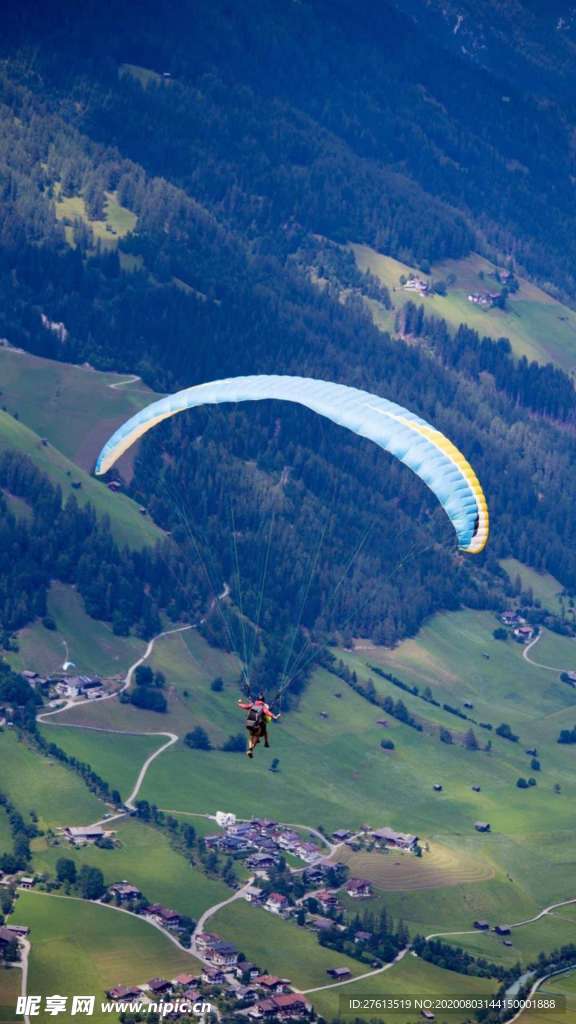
[(10, 985), (90, 643), (35, 783), (537, 325), (116, 223), (75, 408), (126, 523), (410, 978), (547, 590), (145, 858), (117, 759), (80, 948)]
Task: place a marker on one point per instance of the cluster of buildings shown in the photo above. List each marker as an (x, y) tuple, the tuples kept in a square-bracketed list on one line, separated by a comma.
[(51, 687), (521, 630), (484, 299), (262, 842), (416, 284), (83, 835)]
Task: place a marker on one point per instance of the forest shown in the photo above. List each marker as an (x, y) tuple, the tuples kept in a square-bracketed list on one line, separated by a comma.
[(248, 146)]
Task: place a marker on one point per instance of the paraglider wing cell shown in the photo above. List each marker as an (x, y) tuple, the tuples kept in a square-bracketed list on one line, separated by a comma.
[(417, 444)]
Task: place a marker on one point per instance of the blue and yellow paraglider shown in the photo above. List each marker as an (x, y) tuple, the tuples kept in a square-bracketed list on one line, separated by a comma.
[(417, 444)]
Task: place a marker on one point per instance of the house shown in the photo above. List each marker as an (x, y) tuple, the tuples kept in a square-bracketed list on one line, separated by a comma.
[(524, 634), (212, 842), (358, 888), (315, 875), (124, 892), (326, 900), (26, 882), (307, 851), (507, 942), (482, 926), (246, 969), (225, 819), (186, 979), (341, 834), (158, 986), (163, 915), (283, 1007), (261, 862), (321, 924), (427, 1014), (475, 789), (396, 840), (287, 840), (18, 930), (222, 954), (213, 976), (124, 992), (6, 937), (502, 929), (362, 937), (338, 973), (252, 894), (271, 984), (85, 833), (415, 284), (204, 940), (276, 903), (482, 826)]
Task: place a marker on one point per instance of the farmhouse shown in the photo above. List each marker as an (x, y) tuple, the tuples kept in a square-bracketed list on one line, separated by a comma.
[(163, 915), (6, 937), (276, 903), (280, 1008), (340, 835), (319, 923), (252, 894), (502, 929), (158, 986), (326, 900), (524, 634), (482, 926), (222, 954), (338, 973), (271, 984), (124, 892), (212, 975), (26, 882), (396, 840), (124, 992), (359, 888), (85, 833)]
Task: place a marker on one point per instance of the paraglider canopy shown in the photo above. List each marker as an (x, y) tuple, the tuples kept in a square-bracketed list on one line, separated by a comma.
[(416, 443)]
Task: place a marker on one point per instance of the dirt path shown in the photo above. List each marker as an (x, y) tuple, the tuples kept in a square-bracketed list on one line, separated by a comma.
[(517, 924), (537, 664), (359, 977)]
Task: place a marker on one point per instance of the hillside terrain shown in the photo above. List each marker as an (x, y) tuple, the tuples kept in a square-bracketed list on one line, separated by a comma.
[(380, 196)]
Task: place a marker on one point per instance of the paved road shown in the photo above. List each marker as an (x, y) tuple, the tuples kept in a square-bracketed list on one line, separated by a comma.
[(214, 910)]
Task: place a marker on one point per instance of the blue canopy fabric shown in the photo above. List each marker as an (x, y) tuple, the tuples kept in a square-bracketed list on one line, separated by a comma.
[(420, 446)]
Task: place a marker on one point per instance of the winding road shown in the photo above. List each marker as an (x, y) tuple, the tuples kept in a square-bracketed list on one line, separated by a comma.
[(537, 664), (130, 802)]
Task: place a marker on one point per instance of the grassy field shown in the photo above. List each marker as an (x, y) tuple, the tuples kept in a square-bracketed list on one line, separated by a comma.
[(32, 782), (411, 977), (190, 665), (92, 645), (545, 588), (147, 860), (117, 222), (10, 982), (126, 523), (74, 407), (80, 948), (115, 758), (5, 837), (280, 947), (402, 872), (537, 325), (548, 933)]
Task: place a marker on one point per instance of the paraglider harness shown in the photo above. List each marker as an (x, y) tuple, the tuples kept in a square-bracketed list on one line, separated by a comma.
[(255, 719)]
